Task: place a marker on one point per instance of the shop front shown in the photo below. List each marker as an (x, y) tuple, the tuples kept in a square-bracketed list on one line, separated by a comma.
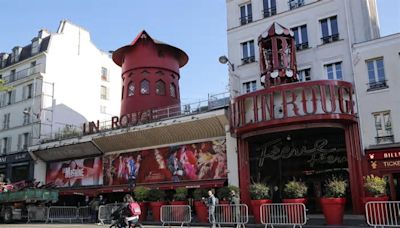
[(385, 162), (17, 167)]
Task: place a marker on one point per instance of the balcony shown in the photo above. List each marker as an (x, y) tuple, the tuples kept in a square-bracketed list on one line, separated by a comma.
[(269, 12), (293, 4), (23, 73), (384, 139), (246, 19), (249, 59), (330, 39), (301, 46), (377, 85), (302, 102)]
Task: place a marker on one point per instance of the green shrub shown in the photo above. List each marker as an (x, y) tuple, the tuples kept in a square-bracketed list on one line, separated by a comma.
[(295, 189), (141, 193), (224, 193), (259, 191), (156, 195), (335, 188), (375, 185), (180, 194), (200, 193)]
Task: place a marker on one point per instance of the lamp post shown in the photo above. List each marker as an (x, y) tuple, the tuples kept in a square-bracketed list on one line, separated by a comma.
[(224, 60)]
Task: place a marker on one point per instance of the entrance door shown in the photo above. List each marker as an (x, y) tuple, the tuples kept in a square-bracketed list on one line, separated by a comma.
[(396, 182)]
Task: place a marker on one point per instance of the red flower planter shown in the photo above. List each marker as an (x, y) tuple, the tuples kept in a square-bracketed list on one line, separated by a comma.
[(155, 208), (333, 209), (256, 205), (375, 210), (143, 208), (178, 203), (294, 214), (201, 211)]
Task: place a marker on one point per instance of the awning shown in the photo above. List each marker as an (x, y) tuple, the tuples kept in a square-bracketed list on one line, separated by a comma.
[(75, 150), (178, 130)]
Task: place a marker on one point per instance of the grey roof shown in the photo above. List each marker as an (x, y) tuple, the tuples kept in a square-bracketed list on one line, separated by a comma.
[(26, 51)]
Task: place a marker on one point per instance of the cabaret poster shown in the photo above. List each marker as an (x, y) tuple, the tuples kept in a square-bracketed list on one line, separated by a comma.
[(190, 162), (75, 173)]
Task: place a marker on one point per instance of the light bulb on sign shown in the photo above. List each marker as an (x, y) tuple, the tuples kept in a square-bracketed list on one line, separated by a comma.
[(289, 73), (274, 74)]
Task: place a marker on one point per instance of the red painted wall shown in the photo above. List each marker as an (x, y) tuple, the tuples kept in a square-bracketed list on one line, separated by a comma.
[(147, 59)]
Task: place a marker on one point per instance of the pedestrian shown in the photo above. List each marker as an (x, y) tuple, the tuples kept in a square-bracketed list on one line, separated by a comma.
[(211, 203), (94, 206), (234, 202), (87, 201), (276, 195)]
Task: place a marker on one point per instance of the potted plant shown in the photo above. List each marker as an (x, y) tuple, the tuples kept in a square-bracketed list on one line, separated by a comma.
[(295, 191), (141, 194), (224, 193), (180, 197), (199, 206), (375, 187), (334, 201), (259, 194), (156, 197)]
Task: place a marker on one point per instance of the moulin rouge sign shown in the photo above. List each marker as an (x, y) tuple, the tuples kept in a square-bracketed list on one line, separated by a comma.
[(132, 119), (295, 100)]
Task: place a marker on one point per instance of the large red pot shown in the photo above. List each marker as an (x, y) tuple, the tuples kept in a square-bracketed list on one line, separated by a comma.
[(295, 213), (143, 208), (333, 209), (179, 212), (256, 205), (377, 212), (155, 208), (178, 203), (201, 211)]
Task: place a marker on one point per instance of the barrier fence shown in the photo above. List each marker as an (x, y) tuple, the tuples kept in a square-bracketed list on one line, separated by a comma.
[(383, 214), (293, 214), (176, 214), (62, 213), (37, 213), (84, 213), (226, 214), (105, 212)]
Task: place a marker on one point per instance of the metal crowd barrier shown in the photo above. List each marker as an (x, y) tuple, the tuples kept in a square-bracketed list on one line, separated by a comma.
[(84, 213), (37, 213), (62, 213), (105, 212), (176, 214), (227, 214), (381, 213), (293, 214)]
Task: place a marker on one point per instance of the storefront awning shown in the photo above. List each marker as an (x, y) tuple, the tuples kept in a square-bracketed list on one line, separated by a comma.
[(74, 150), (210, 125)]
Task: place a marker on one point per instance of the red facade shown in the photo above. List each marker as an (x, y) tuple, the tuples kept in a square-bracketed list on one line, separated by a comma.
[(150, 74)]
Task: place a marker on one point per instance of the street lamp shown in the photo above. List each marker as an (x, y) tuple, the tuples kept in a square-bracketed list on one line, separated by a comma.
[(224, 60)]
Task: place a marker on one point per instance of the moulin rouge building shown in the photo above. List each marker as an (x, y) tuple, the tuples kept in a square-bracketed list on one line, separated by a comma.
[(296, 130)]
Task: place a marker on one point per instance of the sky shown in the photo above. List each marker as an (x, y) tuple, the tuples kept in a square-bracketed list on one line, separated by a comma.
[(196, 26)]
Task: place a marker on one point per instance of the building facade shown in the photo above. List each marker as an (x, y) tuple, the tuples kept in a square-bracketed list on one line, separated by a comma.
[(307, 129), (376, 66), (45, 103)]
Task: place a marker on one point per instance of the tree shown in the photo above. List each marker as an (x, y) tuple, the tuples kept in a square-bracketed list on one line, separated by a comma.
[(3, 87)]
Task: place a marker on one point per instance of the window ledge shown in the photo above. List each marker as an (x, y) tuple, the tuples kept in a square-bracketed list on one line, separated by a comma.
[(378, 88), (325, 44), (246, 64)]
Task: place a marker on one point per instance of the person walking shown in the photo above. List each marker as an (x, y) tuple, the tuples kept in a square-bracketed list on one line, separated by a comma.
[(211, 203), (235, 201)]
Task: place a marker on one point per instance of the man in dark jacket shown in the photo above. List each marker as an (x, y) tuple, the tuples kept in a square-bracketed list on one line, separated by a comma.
[(235, 201)]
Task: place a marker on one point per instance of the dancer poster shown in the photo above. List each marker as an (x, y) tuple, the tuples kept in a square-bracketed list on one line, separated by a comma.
[(190, 162)]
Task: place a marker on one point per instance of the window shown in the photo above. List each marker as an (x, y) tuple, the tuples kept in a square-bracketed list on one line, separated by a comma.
[(376, 74), (293, 4), (383, 126), (27, 115), (334, 71), (246, 15), (104, 93), (104, 74), (12, 75), (5, 145), (172, 90), (249, 86), (300, 36), (35, 46), (269, 8), (103, 109), (27, 92), (6, 121), (160, 88), (304, 75), (329, 28), (145, 87), (10, 97), (248, 52), (131, 89), (23, 141)]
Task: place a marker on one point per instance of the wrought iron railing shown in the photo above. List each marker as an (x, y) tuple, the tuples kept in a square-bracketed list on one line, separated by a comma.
[(23, 73), (330, 39)]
